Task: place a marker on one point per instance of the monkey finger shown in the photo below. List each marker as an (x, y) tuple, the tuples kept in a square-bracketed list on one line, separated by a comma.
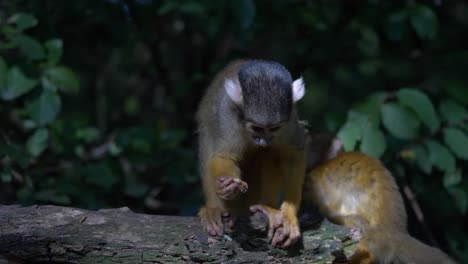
[(224, 181)]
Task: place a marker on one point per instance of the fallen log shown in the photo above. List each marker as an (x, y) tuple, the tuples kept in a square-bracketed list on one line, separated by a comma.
[(55, 234)]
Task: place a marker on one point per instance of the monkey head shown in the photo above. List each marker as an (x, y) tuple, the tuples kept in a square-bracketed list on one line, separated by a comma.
[(264, 93)]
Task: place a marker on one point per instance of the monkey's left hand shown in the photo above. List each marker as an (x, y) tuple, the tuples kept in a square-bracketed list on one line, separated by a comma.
[(230, 188), (283, 228)]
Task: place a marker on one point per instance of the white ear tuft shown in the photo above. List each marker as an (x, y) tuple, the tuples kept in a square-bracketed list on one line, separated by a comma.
[(298, 89), (234, 90)]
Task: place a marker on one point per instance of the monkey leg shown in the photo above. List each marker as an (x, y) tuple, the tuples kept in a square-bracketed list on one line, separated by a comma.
[(359, 226), (216, 221), (282, 230), (230, 188)]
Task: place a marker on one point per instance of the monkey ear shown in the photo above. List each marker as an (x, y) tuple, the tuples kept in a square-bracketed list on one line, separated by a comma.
[(298, 89), (234, 90)]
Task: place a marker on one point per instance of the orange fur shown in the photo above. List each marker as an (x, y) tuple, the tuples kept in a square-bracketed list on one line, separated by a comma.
[(356, 190)]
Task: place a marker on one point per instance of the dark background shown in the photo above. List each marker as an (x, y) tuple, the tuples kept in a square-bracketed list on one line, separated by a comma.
[(124, 132)]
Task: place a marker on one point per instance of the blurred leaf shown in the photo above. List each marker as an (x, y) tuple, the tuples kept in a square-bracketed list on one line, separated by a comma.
[(100, 175), (461, 198), (16, 153), (401, 122), (60, 78), (135, 188), (369, 42), (45, 108), (30, 47), (53, 196), (37, 142), (23, 21), (421, 104), (244, 12), (114, 150), (54, 50), (6, 177), (17, 84), (192, 8), (458, 91), (457, 141), (452, 178), (371, 107), (132, 105), (88, 134), (349, 134), (452, 111), (440, 156), (424, 22), (422, 159), (3, 74), (373, 142), (395, 26)]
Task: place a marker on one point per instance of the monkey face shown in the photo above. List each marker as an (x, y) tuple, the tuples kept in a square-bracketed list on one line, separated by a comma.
[(262, 135)]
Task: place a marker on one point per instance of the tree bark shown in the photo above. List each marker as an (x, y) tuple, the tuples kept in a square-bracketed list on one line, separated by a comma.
[(70, 235)]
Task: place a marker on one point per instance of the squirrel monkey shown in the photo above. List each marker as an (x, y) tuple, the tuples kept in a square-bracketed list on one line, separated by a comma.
[(355, 190), (252, 148)]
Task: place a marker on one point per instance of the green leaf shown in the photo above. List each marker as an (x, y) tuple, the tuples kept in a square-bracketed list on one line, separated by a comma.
[(421, 104), (440, 156), (30, 47), (422, 159), (60, 78), (100, 175), (17, 84), (396, 26), (457, 141), (88, 134), (371, 108), (54, 50), (37, 143), (452, 111), (452, 178), (17, 153), (373, 142), (45, 108), (399, 121), (461, 198), (424, 22), (52, 196), (23, 21), (135, 188), (349, 134), (6, 177), (458, 91), (3, 74)]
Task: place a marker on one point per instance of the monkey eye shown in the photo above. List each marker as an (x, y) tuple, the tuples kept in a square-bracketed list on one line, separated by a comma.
[(274, 129), (258, 129)]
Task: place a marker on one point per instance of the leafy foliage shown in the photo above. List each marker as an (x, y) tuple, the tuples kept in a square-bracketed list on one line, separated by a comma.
[(98, 97)]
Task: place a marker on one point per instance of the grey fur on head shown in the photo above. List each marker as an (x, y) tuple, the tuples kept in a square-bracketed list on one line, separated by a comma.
[(266, 92)]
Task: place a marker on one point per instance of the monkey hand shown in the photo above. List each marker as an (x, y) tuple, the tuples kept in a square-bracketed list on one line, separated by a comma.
[(215, 220), (230, 188), (283, 227)]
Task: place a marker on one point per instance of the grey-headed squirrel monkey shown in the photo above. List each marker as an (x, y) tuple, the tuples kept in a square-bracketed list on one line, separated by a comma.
[(252, 148), (355, 190)]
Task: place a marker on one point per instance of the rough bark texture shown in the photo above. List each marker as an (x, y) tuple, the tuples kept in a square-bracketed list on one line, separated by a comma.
[(70, 235)]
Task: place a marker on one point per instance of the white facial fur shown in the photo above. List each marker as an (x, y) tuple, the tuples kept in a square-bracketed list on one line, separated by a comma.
[(234, 90), (298, 89)]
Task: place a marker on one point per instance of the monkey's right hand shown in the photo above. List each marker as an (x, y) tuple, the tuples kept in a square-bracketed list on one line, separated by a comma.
[(215, 220), (230, 188)]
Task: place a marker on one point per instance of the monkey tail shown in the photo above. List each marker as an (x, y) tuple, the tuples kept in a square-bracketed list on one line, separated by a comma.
[(400, 247)]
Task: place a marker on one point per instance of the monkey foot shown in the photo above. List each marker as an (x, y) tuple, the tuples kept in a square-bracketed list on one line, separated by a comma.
[(216, 221), (230, 188), (283, 229)]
